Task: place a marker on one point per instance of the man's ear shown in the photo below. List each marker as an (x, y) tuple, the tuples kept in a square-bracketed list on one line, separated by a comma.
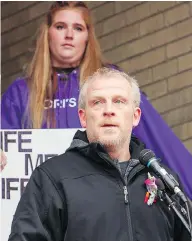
[(136, 116), (82, 117)]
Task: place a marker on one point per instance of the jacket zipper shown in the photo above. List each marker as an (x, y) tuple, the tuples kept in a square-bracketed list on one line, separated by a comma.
[(126, 198), (127, 206), (126, 194), (127, 209)]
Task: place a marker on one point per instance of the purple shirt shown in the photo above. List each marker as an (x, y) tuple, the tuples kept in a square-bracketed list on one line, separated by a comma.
[(65, 104)]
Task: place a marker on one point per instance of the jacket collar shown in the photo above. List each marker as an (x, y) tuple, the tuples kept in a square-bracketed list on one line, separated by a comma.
[(97, 152)]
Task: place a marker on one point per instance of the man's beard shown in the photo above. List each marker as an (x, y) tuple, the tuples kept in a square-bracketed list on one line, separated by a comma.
[(109, 142), (113, 143), (110, 139)]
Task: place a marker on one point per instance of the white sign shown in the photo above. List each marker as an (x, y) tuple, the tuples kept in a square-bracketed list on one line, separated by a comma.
[(25, 150)]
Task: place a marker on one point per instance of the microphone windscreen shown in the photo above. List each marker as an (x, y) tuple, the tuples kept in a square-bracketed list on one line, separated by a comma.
[(145, 156)]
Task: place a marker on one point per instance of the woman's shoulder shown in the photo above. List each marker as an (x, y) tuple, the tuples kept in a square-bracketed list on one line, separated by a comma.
[(19, 84), (112, 66), (17, 88)]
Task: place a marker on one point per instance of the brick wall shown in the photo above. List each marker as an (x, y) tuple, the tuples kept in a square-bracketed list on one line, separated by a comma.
[(150, 40)]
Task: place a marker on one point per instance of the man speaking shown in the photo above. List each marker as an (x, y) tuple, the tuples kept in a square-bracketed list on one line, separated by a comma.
[(98, 190)]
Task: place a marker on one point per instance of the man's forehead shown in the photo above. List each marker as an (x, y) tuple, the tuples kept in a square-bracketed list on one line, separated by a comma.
[(105, 91), (103, 83), (109, 92)]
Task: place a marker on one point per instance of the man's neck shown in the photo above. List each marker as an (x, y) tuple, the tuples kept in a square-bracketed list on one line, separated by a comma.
[(122, 154)]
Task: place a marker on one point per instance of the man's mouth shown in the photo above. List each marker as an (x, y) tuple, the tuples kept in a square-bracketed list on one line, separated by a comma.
[(109, 125)]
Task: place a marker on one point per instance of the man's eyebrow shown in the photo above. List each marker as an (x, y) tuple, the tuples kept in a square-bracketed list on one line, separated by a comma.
[(96, 97)]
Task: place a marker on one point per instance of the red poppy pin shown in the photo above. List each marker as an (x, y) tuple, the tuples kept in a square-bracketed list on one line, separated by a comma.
[(151, 193)]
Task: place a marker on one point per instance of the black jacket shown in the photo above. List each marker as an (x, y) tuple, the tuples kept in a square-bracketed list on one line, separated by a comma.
[(80, 196)]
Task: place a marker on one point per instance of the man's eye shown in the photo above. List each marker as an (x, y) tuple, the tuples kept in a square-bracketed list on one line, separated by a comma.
[(96, 102), (119, 101)]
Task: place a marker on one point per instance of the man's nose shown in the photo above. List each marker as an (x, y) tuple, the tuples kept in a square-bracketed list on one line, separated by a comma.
[(109, 110)]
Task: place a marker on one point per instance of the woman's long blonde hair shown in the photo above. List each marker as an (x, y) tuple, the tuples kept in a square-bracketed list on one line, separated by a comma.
[(39, 71)]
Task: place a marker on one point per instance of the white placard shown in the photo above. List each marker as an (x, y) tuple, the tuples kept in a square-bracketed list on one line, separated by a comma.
[(25, 149)]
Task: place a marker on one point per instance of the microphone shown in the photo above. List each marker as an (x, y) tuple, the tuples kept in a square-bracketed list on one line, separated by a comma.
[(148, 159)]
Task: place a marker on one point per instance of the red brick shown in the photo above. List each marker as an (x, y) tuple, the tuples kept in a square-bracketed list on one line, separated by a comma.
[(174, 100), (155, 90), (27, 30), (16, 49), (184, 28), (179, 47), (179, 115), (103, 11), (144, 77), (164, 70), (151, 24), (13, 7), (94, 4), (126, 34), (123, 5), (179, 81), (145, 60), (108, 41), (183, 131), (116, 22), (185, 62), (177, 14), (25, 15), (160, 6)]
